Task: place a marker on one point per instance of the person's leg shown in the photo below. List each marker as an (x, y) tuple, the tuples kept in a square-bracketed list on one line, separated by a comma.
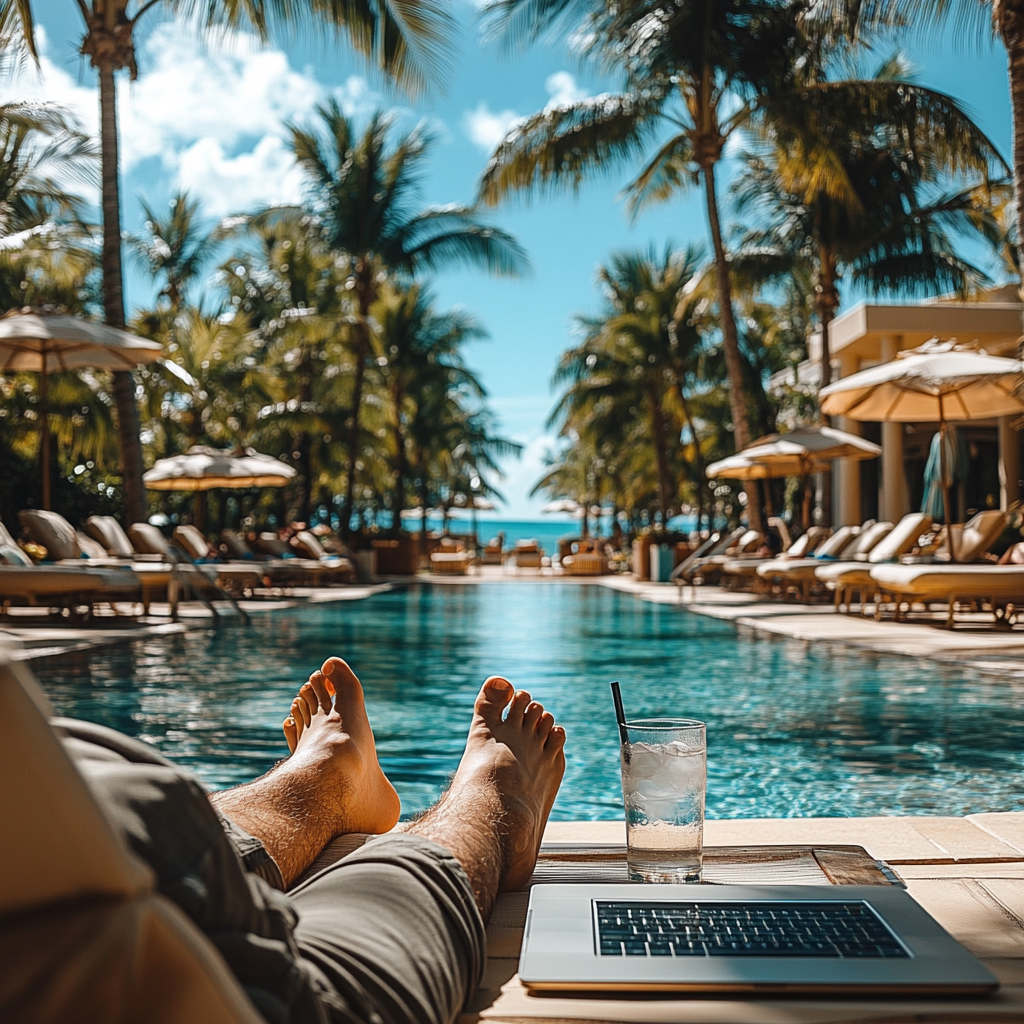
[(398, 925), (331, 784), (492, 817)]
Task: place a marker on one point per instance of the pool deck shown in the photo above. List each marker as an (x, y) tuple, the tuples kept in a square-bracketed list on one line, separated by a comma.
[(968, 873), (975, 643)]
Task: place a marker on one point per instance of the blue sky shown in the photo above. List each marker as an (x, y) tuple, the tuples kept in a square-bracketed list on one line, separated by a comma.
[(209, 118)]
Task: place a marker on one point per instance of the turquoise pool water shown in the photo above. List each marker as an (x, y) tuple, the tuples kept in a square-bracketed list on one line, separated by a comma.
[(794, 729)]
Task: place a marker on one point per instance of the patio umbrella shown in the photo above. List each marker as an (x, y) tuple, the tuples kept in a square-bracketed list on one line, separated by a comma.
[(561, 506), (939, 381), (46, 343), (202, 469)]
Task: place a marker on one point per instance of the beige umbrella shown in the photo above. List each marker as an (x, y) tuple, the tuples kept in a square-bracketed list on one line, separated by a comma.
[(939, 381), (46, 343), (801, 452), (203, 469)]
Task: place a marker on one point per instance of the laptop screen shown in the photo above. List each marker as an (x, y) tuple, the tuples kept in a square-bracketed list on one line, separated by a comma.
[(840, 930)]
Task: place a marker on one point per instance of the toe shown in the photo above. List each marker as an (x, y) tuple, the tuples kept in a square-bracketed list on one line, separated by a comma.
[(307, 696), (291, 733), (533, 715), (544, 724), (493, 699), (339, 675), (555, 740), (323, 698), (516, 710), (301, 713)]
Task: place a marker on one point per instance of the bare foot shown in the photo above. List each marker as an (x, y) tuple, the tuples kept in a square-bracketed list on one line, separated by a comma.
[(331, 785), (521, 757), (318, 692)]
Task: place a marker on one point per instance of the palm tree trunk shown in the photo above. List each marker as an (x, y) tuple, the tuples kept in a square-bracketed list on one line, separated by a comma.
[(362, 349), (730, 341), (401, 462), (113, 302), (658, 430), (827, 302), (698, 455), (1011, 24)]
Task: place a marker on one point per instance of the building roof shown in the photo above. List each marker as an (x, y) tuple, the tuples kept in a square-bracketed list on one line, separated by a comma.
[(859, 332)]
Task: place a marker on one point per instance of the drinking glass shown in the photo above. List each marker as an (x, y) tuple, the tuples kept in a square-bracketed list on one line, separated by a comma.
[(664, 779)]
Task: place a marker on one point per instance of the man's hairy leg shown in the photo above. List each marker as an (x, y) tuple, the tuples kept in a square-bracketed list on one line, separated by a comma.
[(492, 817), (330, 785)]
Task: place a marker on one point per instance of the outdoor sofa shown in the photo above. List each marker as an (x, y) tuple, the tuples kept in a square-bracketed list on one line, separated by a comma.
[(451, 558), (527, 554)]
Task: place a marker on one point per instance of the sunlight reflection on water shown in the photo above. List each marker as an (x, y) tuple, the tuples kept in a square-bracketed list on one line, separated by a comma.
[(794, 729)]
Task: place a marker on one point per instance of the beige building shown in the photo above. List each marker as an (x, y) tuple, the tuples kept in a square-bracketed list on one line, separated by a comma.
[(889, 487)]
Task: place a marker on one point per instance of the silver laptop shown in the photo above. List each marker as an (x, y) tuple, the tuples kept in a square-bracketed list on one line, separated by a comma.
[(740, 938)]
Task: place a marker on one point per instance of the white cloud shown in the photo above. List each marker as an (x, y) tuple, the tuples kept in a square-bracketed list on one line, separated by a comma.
[(230, 184), (563, 90), (213, 115), (487, 128)]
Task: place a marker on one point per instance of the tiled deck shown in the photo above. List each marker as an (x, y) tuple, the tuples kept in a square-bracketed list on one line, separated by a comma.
[(968, 873)]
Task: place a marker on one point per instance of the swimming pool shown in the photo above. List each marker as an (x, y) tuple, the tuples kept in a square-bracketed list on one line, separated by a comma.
[(794, 729)]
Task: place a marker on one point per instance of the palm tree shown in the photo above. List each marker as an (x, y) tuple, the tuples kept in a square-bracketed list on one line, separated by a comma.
[(1002, 19), (175, 247), (418, 354), (854, 179), (362, 192), (406, 40), (702, 70), (630, 360)]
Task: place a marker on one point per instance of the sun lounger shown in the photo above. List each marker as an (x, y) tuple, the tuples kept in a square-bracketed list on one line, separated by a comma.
[(63, 588), (307, 543), (107, 531), (86, 934), (796, 575), (709, 568), (847, 577), (738, 571), (1001, 587), (66, 547), (285, 565)]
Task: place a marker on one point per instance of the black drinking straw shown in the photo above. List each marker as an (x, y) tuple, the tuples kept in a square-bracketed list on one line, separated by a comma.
[(620, 717)]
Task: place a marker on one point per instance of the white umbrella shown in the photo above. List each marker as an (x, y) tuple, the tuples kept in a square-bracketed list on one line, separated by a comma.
[(203, 469), (561, 506), (46, 343), (939, 381)]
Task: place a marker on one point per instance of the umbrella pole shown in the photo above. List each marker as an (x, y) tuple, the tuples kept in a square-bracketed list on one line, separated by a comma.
[(945, 485), (44, 435), (806, 478)]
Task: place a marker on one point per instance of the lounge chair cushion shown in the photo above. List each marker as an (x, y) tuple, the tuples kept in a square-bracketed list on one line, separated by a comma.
[(53, 532), (307, 544), (237, 548), (979, 535), (91, 549), (107, 530), (838, 542), (11, 554), (148, 540), (866, 541), (751, 539), (945, 581), (902, 538), (193, 542)]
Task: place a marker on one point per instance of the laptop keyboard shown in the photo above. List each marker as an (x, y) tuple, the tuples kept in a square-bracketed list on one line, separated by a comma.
[(840, 930)]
